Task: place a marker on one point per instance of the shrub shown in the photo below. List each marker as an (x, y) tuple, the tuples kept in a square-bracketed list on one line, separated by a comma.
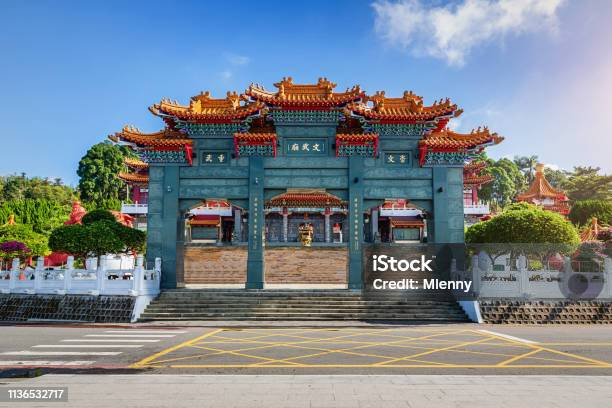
[(97, 215), (36, 242)]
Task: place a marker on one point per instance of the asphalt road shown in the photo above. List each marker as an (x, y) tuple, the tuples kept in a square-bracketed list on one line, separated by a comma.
[(229, 349)]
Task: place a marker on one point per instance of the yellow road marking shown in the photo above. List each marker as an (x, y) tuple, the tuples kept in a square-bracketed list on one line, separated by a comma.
[(515, 358), (468, 343), (205, 341), (539, 346), (146, 360), (330, 351), (388, 366)]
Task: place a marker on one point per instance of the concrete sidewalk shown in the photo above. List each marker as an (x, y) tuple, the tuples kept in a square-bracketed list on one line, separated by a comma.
[(338, 391)]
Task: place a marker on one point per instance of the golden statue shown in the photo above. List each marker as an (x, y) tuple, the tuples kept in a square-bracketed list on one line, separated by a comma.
[(306, 231)]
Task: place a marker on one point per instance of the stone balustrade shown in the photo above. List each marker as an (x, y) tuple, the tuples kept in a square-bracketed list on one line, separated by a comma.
[(96, 279), (567, 281)]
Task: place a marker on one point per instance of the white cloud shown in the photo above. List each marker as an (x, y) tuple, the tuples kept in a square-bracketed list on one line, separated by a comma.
[(236, 59), (455, 124), (451, 31), (227, 74)]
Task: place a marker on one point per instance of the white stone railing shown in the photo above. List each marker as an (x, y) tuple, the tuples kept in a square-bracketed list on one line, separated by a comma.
[(97, 280), (476, 209), (134, 208), (537, 284)]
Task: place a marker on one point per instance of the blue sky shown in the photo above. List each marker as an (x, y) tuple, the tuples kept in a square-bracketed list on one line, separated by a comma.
[(539, 72)]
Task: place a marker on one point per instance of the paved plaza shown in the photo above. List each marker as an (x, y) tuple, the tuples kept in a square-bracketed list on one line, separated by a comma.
[(323, 391)]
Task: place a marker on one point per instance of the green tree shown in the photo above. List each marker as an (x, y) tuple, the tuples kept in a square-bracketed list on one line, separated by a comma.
[(133, 239), (71, 239), (97, 215), (556, 178), (21, 188), (99, 185), (24, 233), (585, 183), (501, 190), (97, 236), (583, 211), (530, 225), (526, 165), (531, 231), (43, 215), (513, 171)]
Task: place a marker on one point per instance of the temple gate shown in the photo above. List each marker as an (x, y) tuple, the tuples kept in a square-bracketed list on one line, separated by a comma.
[(300, 156)]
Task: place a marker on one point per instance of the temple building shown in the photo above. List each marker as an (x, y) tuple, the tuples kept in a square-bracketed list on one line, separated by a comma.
[(137, 179), (473, 180), (295, 185), (542, 194)]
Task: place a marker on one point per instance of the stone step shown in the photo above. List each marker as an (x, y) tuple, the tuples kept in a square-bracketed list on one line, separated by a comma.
[(306, 300), (284, 316), (306, 319), (329, 303), (297, 310), (217, 304)]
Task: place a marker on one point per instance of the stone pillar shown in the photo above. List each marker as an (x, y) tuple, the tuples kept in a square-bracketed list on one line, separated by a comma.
[(448, 219), (374, 224), (285, 225), (355, 207), (238, 224), (327, 225), (164, 221), (255, 262)]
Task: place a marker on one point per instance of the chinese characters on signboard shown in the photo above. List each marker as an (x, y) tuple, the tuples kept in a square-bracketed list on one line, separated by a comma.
[(398, 158), (305, 146), (214, 158)]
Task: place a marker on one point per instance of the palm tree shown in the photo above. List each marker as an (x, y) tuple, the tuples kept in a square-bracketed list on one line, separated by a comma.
[(527, 165)]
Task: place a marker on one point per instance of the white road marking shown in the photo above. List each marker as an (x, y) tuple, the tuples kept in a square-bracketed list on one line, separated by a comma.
[(129, 335), (88, 346), (44, 363), (137, 331), (114, 340), (60, 353), (507, 336)]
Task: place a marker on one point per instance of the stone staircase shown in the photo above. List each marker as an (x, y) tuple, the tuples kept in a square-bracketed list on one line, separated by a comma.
[(304, 305)]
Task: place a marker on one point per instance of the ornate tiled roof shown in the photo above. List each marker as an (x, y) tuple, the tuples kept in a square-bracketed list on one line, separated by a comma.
[(134, 177), (205, 220), (304, 198), (474, 166), (591, 232), (541, 188), (255, 137), (407, 108), (407, 222), (447, 139), (476, 180), (472, 176), (135, 163), (203, 108), (355, 138), (163, 138), (320, 94)]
